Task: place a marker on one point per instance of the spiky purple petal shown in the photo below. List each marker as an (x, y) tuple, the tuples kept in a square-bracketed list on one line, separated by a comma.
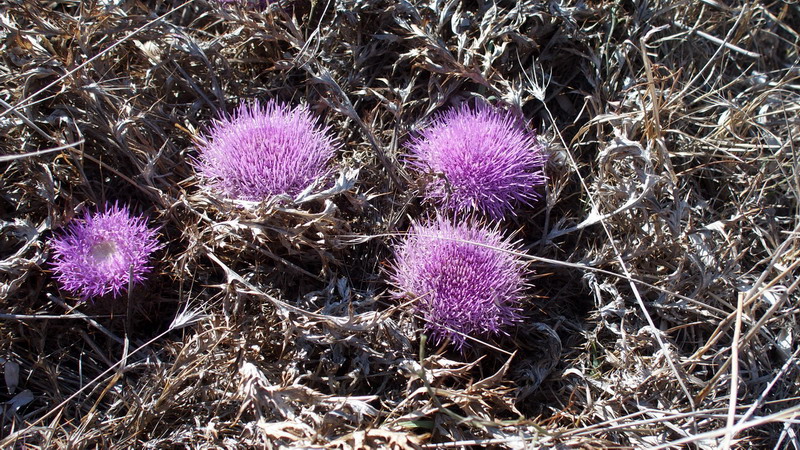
[(482, 160), (98, 254), (265, 150), (464, 277)]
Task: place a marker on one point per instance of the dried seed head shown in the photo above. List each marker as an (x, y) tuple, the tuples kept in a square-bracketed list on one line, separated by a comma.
[(99, 253), (265, 150), (483, 159), (466, 280)]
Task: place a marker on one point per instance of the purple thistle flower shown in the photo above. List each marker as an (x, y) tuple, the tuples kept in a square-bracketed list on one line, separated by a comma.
[(99, 253), (265, 150), (465, 279), (482, 159)]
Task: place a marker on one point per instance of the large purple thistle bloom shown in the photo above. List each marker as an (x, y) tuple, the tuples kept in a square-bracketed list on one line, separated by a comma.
[(265, 150), (481, 159), (463, 276), (99, 253)]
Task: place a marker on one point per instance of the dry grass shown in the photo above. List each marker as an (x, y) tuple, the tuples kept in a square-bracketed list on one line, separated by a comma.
[(665, 306)]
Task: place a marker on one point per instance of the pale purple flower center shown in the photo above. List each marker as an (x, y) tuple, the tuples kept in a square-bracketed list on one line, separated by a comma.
[(104, 252)]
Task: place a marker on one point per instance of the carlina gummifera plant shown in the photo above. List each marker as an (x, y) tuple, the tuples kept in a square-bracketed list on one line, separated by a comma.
[(99, 253), (482, 160), (464, 277), (263, 150)]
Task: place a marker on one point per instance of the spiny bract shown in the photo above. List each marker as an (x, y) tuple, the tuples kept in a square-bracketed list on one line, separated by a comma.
[(481, 160), (464, 277), (99, 253), (265, 150)]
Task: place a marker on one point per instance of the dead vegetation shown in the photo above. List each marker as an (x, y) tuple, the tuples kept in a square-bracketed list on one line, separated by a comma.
[(664, 310)]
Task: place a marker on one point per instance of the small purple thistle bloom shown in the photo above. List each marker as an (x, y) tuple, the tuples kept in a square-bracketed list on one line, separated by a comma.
[(99, 253), (265, 150), (482, 159), (464, 277)]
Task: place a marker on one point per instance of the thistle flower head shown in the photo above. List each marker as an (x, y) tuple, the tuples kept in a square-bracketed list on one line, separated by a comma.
[(265, 150), (482, 160), (99, 253), (463, 276)]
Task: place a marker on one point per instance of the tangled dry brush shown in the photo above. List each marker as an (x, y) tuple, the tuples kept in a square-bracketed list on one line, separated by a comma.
[(663, 309)]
